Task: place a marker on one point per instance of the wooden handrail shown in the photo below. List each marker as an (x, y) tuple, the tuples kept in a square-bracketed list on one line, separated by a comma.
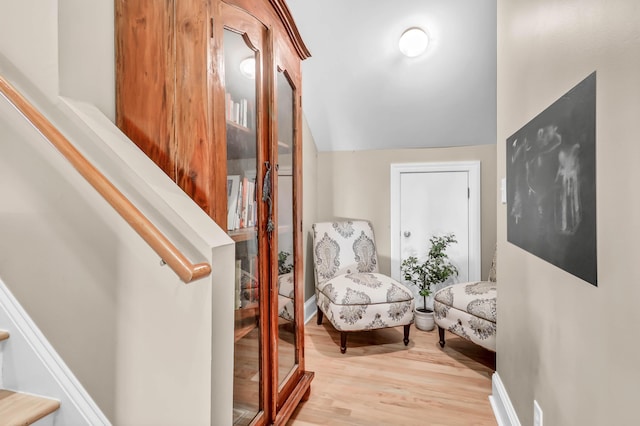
[(186, 270)]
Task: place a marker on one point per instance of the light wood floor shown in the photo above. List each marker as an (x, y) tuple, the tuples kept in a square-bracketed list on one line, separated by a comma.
[(379, 381)]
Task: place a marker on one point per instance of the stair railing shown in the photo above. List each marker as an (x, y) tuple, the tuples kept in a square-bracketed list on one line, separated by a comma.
[(169, 254)]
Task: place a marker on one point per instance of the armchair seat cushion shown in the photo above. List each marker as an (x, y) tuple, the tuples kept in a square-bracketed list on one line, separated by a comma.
[(365, 301), (364, 288), (285, 285), (477, 298)]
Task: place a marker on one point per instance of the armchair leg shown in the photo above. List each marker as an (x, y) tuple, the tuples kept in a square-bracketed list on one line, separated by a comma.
[(406, 334), (441, 334), (319, 316), (343, 342)]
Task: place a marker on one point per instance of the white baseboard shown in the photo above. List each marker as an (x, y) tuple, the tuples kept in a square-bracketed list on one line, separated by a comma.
[(501, 404), (310, 308), (53, 379)]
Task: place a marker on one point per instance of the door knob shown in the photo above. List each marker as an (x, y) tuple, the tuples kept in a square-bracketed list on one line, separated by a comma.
[(407, 234)]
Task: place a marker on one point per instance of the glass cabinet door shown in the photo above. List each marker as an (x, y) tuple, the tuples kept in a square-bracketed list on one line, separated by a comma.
[(260, 81), (241, 67), (287, 321)]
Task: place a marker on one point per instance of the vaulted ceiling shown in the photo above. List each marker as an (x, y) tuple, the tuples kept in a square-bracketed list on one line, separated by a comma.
[(360, 92)]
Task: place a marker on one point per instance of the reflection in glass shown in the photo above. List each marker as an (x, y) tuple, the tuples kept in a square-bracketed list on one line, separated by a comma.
[(286, 295), (241, 224)]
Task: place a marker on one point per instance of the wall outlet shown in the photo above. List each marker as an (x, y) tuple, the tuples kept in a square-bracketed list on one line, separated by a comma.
[(537, 414)]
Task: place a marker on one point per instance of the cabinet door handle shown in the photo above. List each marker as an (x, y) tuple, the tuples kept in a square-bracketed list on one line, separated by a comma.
[(266, 197)]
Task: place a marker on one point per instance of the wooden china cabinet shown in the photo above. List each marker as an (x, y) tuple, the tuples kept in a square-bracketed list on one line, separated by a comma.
[(210, 90)]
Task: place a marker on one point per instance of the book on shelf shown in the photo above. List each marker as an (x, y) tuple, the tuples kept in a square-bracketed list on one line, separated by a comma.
[(245, 202), (239, 112), (241, 203), (238, 213), (233, 185), (238, 289)]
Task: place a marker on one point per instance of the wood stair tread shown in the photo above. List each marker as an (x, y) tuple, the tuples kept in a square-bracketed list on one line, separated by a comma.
[(4, 335), (22, 409)]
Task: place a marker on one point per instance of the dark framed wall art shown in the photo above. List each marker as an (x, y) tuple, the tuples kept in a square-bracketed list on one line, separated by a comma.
[(551, 183)]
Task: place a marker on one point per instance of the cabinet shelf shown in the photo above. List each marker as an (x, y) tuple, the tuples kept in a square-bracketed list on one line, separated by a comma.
[(240, 127), (243, 234)]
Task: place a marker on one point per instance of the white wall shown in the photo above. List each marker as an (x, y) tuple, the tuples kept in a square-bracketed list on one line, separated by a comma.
[(28, 40), (309, 204), (87, 51), (562, 341), (29, 364), (357, 185), (63, 47)]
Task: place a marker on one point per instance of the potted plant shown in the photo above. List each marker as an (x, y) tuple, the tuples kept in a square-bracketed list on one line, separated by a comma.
[(283, 266), (435, 269)]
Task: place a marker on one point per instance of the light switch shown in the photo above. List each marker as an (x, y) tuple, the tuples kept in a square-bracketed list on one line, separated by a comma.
[(503, 190)]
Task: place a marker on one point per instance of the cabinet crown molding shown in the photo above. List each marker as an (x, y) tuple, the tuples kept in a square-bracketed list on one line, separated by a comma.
[(285, 16)]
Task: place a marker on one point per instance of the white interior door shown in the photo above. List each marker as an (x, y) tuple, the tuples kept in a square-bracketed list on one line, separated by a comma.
[(436, 199), (435, 203)]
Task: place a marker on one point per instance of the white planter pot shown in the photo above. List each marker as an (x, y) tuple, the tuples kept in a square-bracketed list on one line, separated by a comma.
[(424, 320)]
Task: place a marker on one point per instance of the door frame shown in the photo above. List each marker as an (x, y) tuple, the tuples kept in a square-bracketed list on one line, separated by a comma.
[(475, 224)]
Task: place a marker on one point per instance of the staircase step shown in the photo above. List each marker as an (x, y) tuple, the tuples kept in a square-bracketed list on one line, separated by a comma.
[(4, 335), (22, 409)]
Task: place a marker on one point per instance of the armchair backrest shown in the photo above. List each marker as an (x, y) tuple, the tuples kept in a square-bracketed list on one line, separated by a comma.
[(343, 247), (492, 270)]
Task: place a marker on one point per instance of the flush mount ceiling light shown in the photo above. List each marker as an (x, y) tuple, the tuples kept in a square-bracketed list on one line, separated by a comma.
[(413, 42), (248, 67)]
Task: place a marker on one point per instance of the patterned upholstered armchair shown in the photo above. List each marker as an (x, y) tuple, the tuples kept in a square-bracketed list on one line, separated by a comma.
[(286, 296), (469, 310), (349, 289)]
